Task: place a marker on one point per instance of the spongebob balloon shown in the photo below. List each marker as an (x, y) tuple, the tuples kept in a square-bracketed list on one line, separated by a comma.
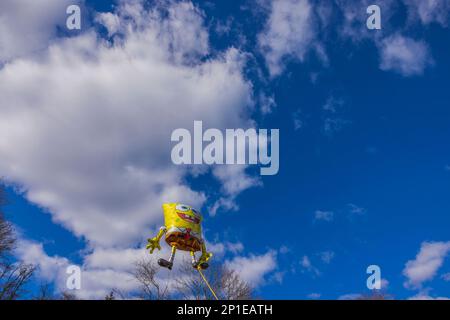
[(182, 226)]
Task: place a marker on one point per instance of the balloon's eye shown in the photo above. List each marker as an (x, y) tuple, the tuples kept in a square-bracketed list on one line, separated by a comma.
[(196, 212), (182, 207)]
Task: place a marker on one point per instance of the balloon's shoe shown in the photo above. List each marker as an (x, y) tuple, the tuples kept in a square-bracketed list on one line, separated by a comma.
[(165, 264), (203, 265)]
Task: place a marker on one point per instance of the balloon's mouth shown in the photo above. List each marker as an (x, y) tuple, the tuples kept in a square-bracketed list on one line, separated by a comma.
[(188, 218)]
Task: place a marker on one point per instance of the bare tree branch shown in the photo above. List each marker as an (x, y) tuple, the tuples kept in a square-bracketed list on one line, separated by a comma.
[(226, 284), (13, 275), (151, 288), (45, 292)]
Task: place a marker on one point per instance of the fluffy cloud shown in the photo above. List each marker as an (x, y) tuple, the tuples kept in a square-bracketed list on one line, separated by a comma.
[(267, 103), (50, 268), (429, 11), (289, 34), (307, 265), (314, 296), (86, 124), (398, 53), (426, 296), (102, 270), (404, 55), (293, 27), (297, 118), (384, 284), (254, 268), (426, 264), (350, 296), (105, 269), (324, 215), (327, 256), (354, 18), (85, 130), (234, 180), (28, 26), (357, 210), (219, 249)]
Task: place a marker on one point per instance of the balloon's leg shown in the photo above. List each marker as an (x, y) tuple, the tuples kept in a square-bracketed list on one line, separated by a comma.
[(194, 261), (196, 264), (202, 261), (168, 264), (172, 255)]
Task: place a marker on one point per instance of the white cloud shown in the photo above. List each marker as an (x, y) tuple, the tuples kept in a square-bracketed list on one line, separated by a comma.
[(314, 296), (289, 34), (446, 276), (234, 180), (429, 11), (119, 260), (324, 215), (298, 121), (254, 268), (284, 249), (350, 296), (404, 55), (110, 21), (426, 264), (356, 209), (219, 249), (102, 270), (267, 103), (278, 277), (354, 18), (223, 204), (425, 296), (332, 105), (28, 26), (333, 125), (398, 53), (327, 256), (85, 131), (234, 247), (384, 284), (306, 264), (293, 26), (50, 268)]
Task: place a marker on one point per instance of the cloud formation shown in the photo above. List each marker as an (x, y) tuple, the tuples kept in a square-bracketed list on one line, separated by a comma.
[(86, 123), (321, 215), (429, 11), (27, 26), (254, 268), (289, 34), (426, 264), (404, 55), (93, 146)]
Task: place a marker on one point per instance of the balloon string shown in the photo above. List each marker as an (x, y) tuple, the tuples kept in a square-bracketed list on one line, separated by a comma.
[(207, 283)]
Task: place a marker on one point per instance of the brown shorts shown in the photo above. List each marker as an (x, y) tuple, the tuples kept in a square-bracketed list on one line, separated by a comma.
[(183, 241)]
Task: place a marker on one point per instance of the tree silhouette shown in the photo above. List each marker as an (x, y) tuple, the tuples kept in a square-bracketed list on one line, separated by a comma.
[(13, 275)]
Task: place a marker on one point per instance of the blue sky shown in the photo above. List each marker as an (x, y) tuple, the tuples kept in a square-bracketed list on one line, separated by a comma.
[(363, 118)]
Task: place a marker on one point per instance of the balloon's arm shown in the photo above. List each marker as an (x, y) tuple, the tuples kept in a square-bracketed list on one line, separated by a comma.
[(153, 243), (205, 254)]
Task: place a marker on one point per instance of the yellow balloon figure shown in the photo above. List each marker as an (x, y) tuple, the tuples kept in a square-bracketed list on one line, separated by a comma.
[(182, 226)]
